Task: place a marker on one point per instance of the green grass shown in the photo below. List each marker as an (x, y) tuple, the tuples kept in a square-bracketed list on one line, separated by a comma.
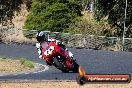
[(27, 63), (23, 61)]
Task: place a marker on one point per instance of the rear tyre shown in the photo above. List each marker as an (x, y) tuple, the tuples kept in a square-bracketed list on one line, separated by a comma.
[(76, 67), (59, 65)]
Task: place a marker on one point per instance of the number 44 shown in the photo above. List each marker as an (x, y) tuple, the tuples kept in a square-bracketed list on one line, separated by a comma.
[(49, 51)]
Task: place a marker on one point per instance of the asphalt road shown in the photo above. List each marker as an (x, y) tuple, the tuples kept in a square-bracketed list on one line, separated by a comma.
[(93, 61)]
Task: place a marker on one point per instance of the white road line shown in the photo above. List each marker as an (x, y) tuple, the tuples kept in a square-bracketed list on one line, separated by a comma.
[(46, 68)]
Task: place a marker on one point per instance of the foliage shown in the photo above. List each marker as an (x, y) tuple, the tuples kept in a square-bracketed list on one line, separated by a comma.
[(89, 26), (11, 8), (114, 12), (29, 34), (52, 15), (27, 63), (85, 3), (8, 9)]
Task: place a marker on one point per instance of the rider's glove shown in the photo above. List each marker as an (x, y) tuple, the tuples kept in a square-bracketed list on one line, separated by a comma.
[(37, 45)]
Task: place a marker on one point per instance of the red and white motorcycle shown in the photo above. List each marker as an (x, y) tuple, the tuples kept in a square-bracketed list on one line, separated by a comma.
[(51, 55)]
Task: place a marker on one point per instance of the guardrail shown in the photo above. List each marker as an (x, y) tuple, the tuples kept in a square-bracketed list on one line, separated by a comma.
[(87, 41)]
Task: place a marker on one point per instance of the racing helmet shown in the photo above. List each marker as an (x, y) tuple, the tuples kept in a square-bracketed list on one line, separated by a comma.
[(40, 36)]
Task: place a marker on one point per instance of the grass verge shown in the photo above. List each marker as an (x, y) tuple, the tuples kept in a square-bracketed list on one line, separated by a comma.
[(11, 65), (27, 63)]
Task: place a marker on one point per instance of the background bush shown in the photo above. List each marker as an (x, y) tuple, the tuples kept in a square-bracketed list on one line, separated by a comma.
[(52, 15), (88, 26), (27, 63)]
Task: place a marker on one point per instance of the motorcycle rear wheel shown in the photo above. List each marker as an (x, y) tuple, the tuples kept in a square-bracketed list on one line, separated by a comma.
[(76, 67)]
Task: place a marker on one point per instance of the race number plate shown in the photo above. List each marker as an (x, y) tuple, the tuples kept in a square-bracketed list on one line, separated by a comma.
[(49, 51)]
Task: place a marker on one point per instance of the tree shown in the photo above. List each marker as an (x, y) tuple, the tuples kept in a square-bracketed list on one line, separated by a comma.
[(52, 15), (8, 9), (11, 8), (113, 11)]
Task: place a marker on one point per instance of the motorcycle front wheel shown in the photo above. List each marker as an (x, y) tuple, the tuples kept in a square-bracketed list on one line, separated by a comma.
[(59, 65)]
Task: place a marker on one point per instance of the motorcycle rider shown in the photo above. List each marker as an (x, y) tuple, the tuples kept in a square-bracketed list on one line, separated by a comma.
[(43, 43)]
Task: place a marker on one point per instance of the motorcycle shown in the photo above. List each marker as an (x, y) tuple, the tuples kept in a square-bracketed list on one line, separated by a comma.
[(57, 60)]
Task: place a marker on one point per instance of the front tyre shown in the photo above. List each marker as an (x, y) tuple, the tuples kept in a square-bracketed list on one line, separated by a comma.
[(59, 65)]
